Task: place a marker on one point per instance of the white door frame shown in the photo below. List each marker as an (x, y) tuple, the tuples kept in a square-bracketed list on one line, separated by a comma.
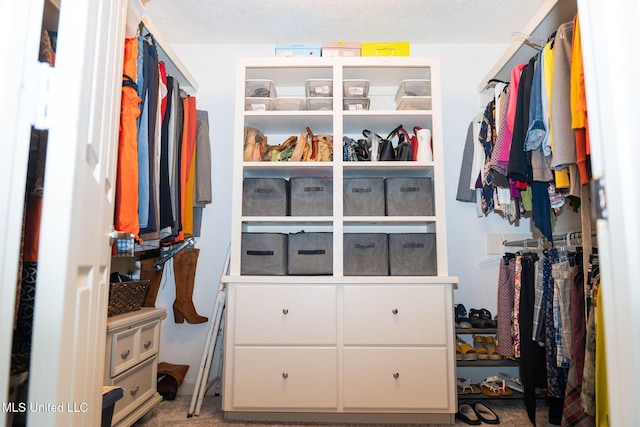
[(70, 315), (17, 108), (610, 67), (67, 359)]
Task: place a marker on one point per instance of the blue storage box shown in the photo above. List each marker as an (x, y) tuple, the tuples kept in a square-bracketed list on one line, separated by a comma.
[(308, 49)]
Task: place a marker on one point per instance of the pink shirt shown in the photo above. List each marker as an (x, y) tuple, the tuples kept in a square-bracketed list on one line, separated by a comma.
[(505, 148)]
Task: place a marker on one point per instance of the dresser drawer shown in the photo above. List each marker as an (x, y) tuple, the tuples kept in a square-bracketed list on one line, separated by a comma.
[(124, 351), (401, 378), (285, 315), (149, 339), (285, 378), (395, 315), (139, 384)]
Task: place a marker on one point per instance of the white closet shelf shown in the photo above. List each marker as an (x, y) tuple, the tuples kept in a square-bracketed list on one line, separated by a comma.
[(173, 64), (551, 14)]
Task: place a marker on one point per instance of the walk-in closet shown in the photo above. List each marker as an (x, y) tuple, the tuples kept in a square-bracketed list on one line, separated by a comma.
[(221, 213)]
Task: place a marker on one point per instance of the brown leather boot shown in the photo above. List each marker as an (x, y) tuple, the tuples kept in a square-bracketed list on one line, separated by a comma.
[(184, 267), (170, 377), (148, 272)]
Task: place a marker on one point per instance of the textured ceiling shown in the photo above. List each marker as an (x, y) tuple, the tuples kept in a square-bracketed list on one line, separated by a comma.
[(314, 21)]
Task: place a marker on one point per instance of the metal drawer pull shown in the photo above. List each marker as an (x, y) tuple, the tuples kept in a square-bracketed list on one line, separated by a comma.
[(394, 311), (285, 311), (396, 374), (285, 375), (125, 354), (147, 344), (134, 390)]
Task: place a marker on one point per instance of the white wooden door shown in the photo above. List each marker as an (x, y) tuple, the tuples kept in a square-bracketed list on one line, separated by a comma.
[(16, 114), (73, 262), (609, 43)]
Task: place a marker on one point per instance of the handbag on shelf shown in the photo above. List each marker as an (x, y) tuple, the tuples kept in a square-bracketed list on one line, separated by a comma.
[(412, 140), (349, 149), (385, 149), (254, 144), (282, 152), (404, 150), (373, 144)]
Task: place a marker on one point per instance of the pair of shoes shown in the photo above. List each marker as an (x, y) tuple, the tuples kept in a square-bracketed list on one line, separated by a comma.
[(465, 386), (495, 386), (468, 352), (481, 318), (512, 382), (476, 414), (462, 321)]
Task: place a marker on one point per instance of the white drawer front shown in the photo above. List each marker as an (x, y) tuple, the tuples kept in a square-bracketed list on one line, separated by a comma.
[(395, 315), (407, 378), (285, 378), (124, 350), (139, 384), (149, 338), (282, 315)]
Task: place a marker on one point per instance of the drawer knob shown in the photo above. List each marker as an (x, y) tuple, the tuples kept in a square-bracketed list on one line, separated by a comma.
[(394, 311), (285, 311), (125, 354), (147, 344), (285, 375), (396, 374), (134, 390)]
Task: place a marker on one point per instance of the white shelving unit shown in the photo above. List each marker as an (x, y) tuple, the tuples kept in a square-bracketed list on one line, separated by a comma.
[(337, 347)]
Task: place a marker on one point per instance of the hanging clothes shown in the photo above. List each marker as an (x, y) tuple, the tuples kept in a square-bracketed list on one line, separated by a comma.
[(533, 372), (126, 196), (186, 156)]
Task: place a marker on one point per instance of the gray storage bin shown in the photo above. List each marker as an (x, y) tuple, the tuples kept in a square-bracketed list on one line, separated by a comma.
[(311, 196), (411, 196), (310, 253), (363, 196), (365, 254), (412, 254), (265, 197), (263, 254)]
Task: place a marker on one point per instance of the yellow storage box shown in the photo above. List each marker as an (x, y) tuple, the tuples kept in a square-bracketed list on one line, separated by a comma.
[(385, 49)]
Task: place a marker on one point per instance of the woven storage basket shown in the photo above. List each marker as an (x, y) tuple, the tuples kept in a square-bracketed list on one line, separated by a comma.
[(125, 297)]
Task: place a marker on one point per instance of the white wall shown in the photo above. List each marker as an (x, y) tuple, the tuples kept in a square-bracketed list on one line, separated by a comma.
[(463, 66)]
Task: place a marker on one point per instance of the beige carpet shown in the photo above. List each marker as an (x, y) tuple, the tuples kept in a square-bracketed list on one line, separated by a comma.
[(512, 413)]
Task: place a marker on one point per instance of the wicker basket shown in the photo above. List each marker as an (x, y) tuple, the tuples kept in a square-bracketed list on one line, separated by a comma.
[(125, 297)]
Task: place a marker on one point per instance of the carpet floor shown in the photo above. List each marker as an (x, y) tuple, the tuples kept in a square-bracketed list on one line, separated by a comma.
[(512, 413)]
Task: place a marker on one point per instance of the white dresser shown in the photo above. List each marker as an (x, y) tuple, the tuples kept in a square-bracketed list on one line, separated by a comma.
[(133, 343), (339, 350)]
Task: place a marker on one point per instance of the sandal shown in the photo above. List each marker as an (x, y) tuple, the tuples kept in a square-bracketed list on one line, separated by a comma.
[(490, 345), (465, 386), (462, 321), (485, 414), (476, 320), (467, 414), (468, 353), (512, 382), (478, 344), (496, 384), (486, 316), (490, 387)]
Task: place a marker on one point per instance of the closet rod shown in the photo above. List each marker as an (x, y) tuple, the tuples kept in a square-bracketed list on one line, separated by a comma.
[(189, 242), (572, 238)]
